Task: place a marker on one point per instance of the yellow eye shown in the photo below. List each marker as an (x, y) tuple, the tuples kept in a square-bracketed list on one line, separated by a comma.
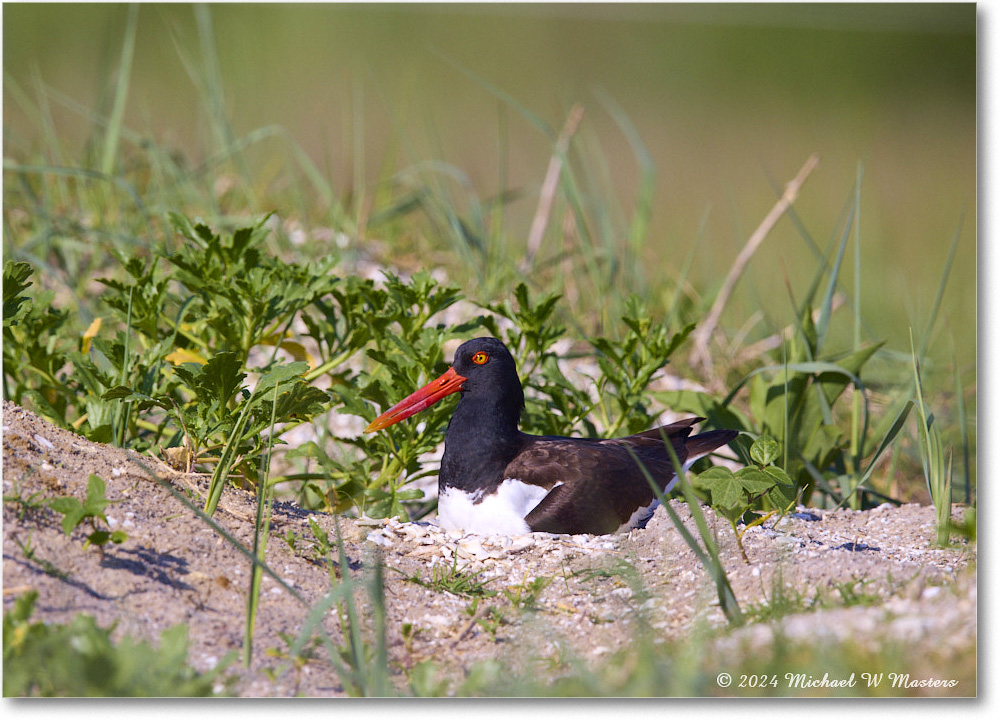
[(480, 358)]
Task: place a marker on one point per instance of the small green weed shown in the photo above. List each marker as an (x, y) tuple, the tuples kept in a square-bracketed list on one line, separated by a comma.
[(90, 511), (452, 579), (47, 566), (853, 593), (490, 619), (525, 594), (317, 550), (25, 506), (783, 600), (409, 632), (303, 656), (734, 494)]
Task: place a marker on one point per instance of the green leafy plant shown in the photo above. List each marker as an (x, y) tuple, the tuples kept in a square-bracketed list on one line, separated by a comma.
[(89, 511), (796, 402), (734, 494), (36, 347), (196, 343), (80, 659), (629, 365), (174, 368)]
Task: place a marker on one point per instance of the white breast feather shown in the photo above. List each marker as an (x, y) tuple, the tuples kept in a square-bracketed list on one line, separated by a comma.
[(500, 513)]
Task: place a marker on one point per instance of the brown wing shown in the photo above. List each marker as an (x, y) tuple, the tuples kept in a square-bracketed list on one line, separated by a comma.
[(602, 485)]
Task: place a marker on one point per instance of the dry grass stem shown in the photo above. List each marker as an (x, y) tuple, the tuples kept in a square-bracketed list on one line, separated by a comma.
[(550, 184), (705, 331)]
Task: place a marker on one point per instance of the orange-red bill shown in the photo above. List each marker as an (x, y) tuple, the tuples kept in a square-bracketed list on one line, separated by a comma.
[(450, 382)]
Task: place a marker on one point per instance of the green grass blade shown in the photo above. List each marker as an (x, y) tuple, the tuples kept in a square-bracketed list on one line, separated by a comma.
[(826, 308), (639, 224), (963, 423), (502, 95), (936, 475), (122, 416), (936, 307), (113, 133), (226, 460), (261, 531), (890, 436), (857, 431)]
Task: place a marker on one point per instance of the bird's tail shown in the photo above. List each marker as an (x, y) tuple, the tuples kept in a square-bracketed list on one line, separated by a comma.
[(707, 442)]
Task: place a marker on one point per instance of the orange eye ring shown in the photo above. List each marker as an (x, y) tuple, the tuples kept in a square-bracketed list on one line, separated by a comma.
[(480, 358)]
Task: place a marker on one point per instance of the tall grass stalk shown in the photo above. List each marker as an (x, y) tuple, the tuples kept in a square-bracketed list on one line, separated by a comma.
[(857, 433), (706, 329), (928, 333), (261, 531), (115, 120), (638, 225), (937, 472), (963, 425), (122, 414)]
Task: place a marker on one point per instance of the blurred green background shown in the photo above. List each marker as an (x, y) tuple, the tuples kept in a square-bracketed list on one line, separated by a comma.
[(729, 101)]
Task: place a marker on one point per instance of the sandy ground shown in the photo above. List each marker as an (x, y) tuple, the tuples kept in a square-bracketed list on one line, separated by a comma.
[(175, 568)]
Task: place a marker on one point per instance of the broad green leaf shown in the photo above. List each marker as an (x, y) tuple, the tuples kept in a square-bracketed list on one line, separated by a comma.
[(98, 538), (782, 495), (222, 378), (727, 491), (764, 450), (71, 509), (753, 480), (96, 502), (280, 374), (778, 475), (15, 280)]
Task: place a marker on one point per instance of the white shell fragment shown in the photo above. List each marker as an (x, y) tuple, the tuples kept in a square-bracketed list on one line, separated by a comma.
[(434, 545)]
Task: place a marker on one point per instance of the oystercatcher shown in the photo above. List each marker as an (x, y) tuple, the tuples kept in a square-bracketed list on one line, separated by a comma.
[(496, 479)]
